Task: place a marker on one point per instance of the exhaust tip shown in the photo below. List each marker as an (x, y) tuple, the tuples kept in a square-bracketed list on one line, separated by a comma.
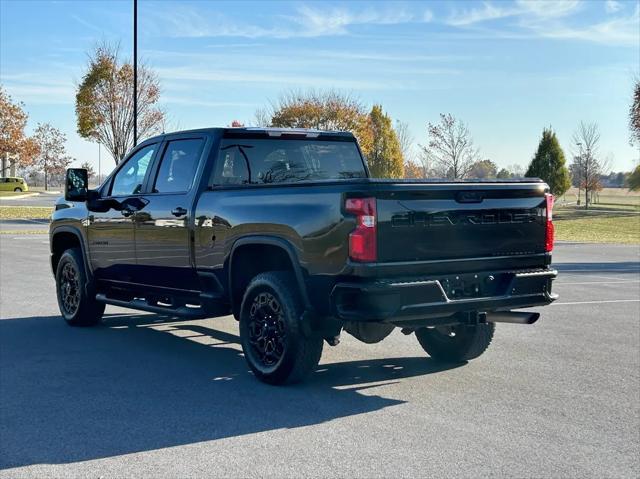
[(513, 317)]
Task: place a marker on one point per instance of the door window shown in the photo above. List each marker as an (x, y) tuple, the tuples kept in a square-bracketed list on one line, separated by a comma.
[(129, 179), (178, 166)]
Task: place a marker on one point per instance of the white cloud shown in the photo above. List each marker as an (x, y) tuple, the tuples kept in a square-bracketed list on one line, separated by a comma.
[(526, 8), (548, 8), (612, 6), (41, 94), (615, 31), (188, 73), (307, 21), (548, 19), (198, 101), (477, 15), (318, 22)]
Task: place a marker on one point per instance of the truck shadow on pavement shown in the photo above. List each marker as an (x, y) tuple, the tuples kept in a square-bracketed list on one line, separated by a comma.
[(143, 382)]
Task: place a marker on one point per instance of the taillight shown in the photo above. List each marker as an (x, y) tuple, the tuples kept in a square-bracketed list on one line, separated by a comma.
[(548, 243), (362, 241)]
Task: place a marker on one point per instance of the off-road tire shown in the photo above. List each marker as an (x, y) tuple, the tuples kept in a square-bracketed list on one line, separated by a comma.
[(271, 333), (468, 343), (76, 297)]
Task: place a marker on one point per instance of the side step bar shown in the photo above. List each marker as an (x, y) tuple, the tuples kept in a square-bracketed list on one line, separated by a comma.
[(514, 317), (181, 311)]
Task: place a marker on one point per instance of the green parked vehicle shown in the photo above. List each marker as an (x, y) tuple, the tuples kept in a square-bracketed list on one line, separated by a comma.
[(13, 183)]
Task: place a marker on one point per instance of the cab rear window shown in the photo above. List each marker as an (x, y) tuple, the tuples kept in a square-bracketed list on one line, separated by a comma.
[(268, 161)]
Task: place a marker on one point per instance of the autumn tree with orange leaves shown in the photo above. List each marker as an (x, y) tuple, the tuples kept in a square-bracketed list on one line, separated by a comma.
[(15, 146), (332, 110), (104, 102)]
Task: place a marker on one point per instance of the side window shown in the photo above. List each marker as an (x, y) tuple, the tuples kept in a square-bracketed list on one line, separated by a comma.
[(231, 167), (178, 166), (129, 179)]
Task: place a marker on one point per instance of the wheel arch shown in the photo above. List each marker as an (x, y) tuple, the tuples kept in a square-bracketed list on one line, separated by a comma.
[(66, 237), (252, 246)]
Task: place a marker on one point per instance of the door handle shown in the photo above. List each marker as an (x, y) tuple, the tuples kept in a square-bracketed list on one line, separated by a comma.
[(178, 211)]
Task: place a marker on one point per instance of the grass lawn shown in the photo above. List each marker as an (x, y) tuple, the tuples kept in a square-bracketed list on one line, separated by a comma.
[(25, 212), (593, 226), (608, 198)]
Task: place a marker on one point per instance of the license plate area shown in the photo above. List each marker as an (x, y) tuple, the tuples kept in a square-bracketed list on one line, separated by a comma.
[(476, 285)]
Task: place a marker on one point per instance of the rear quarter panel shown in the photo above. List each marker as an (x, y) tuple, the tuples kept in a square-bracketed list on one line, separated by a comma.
[(308, 217)]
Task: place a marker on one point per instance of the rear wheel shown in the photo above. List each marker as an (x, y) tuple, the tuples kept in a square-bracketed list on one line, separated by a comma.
[(17, 190), (274, 344), (456, 343), (77, 307)]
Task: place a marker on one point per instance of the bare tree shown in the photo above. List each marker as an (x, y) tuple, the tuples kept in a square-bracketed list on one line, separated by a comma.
[(516, 170), (587, 164), (52, 158), (91, 172), (451, 149), (634, 114), (262, 117), (104, 102), (425, 163), (406, 139)]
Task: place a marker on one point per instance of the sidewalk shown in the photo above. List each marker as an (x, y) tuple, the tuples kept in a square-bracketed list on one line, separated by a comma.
[(18, 197)]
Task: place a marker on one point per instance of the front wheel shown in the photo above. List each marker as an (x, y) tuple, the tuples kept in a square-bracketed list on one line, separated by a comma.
[(18, 190), (460, 342), (78, 308), (273, 342)]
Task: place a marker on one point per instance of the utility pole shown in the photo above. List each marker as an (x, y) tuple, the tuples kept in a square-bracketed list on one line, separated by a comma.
[(135, 72)]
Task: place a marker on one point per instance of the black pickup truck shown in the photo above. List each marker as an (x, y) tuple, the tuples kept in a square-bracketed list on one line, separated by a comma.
[(286, 230)]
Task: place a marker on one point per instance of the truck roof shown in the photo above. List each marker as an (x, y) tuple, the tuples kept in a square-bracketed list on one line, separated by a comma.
[(264, 131)]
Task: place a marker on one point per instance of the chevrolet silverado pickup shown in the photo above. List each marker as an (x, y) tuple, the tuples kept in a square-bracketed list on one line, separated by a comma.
[(286, 230)]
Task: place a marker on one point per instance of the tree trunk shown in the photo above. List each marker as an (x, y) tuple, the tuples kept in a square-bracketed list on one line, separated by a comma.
[(586, 198)]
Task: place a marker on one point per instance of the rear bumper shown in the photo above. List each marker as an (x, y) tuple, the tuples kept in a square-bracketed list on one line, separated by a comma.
[(409, 300)]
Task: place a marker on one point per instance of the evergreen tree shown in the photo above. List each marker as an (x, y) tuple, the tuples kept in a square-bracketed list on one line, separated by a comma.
[(549, 164), (385, 156)]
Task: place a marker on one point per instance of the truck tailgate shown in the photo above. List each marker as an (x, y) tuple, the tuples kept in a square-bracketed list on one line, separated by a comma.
[(422, 221)]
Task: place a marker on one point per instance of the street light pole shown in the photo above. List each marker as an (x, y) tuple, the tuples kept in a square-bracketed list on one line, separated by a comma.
[(579, 145), (99, 164), (135, 72)]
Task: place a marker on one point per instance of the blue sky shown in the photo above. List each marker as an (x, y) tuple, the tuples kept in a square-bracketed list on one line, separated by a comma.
[(507, 69)]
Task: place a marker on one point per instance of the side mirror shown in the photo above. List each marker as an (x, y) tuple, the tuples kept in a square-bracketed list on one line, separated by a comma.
[(76, 186)]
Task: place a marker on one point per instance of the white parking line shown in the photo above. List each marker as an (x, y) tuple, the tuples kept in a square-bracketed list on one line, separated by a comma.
[(598, 302), (596, 270), (556, 283), (610, 278)]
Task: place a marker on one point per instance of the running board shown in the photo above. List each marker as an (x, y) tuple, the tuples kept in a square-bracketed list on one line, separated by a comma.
[(181, 311), (514, 317)]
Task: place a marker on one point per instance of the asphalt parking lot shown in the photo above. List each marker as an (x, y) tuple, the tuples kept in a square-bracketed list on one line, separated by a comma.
[(146, 396)]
